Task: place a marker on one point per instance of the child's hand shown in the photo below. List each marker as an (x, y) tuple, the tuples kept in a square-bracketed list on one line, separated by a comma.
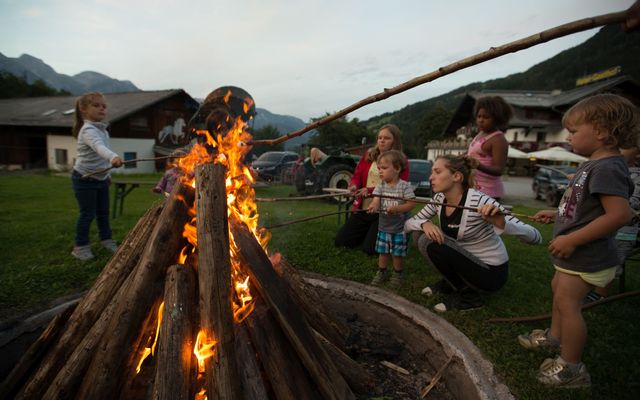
[(371, 209), (116, 162), (562, 246), (362, 192), (392, 210), (433, 232), (545, 216), (492, 214)]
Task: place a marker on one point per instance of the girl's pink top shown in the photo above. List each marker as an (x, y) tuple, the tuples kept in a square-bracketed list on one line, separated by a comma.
[(487, 184)]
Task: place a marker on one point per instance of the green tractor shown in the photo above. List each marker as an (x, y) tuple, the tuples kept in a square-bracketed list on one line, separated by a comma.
[(333, 171)]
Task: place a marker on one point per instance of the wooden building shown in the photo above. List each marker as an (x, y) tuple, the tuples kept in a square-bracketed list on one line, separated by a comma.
[(36, 132), (537, 119)]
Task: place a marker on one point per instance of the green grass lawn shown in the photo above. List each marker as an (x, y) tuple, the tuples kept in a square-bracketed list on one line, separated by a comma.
[(38, 215)]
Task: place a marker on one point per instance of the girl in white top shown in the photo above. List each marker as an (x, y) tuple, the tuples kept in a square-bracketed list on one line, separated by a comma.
[(466, 248), (92, 192)]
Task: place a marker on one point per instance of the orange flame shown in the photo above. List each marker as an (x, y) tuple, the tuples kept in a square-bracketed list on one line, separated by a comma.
[(203, 349), (151, 350), (229, 150)]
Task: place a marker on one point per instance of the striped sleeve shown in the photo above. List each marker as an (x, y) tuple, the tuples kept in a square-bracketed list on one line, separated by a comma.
[(513, 226), (429, 211)]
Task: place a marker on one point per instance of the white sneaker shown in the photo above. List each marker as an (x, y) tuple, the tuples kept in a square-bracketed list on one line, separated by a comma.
[(82, 253), (556, 372), (110, 245)]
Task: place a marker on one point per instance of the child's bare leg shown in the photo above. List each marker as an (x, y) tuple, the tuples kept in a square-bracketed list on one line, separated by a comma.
[(555, 331), (569, 295), (384, 260), (397, 263)]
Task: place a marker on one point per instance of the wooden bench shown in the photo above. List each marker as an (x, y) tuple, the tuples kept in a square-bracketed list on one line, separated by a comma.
[(122, 189)]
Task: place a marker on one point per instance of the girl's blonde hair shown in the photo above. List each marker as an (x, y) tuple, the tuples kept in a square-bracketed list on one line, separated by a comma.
[(83, 102), (395, 157), (611, 112), (374, 152), (464, 164)]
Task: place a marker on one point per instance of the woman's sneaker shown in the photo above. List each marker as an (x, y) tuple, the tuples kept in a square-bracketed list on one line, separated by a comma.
[(82, 253), (110, 245), (538, 338), (381, 277), (441, 286), (557, 372), (464, 300)]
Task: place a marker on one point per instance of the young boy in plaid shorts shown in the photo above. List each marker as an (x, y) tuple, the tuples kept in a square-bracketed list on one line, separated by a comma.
[(389, 201)]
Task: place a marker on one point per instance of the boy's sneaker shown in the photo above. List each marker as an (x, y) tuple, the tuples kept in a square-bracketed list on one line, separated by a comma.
[(462, 301), (110, 245), (82, 253), (538, 338), (381, 277), (397, 279), (556, 372)]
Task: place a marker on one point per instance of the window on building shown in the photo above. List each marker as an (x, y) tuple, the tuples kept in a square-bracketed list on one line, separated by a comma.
[(130, 155), (61, 156)]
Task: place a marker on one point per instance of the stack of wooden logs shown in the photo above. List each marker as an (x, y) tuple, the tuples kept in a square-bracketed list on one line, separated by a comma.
[(289, 347)]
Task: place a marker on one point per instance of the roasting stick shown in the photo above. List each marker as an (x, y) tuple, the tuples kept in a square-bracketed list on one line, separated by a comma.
[(425, 200), (295, 221), (127, 162), (493, 52)]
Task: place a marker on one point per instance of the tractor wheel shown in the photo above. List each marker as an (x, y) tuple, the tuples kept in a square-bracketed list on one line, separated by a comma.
[(337, 177)]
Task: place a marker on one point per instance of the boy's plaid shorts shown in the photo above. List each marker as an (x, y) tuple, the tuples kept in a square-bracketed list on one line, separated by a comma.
[(393, 243)]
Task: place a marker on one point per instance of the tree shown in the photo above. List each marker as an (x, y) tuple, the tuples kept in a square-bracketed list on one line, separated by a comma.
[(12, 86), (432, 125), (340, 134), (266, 132)]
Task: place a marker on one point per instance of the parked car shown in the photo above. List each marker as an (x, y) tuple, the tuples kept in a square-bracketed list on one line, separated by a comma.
[(419, 173), (549, 183), (270, 165)]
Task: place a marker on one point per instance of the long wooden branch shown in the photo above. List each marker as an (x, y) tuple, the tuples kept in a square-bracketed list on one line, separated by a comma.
[(129, 162), (493, 52), (584, 307), (295, 221)]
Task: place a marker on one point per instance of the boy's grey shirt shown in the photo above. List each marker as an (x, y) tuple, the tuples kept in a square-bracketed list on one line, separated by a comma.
[(581, 204), (393, 223)]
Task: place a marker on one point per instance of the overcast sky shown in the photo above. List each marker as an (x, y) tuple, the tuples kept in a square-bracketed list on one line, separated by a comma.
[(302, 58)]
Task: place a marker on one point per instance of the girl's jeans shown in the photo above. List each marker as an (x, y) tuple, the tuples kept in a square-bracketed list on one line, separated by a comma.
[(93, 200)]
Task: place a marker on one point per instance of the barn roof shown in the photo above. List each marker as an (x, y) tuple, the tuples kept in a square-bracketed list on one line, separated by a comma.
[(58, 111)]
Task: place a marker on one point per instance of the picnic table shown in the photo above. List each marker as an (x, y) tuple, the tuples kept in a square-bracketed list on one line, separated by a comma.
[(123, 188)]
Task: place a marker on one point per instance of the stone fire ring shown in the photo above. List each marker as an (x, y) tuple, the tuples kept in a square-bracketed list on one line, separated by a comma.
[(469, 376)]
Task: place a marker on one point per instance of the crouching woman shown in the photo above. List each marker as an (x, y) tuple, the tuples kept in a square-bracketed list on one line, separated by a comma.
[(466, 247)]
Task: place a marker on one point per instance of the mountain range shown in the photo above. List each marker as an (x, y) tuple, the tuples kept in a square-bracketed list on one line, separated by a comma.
[(32, 69)]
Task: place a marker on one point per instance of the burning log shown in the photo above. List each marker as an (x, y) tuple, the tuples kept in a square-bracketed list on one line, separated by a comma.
[(321, 368), (253, 386), (175, 370), (282, 367), (93, 304), (318, 316), (106, 372), (214, 278)]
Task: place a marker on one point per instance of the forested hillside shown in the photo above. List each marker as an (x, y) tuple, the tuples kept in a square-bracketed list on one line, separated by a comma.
[(608, 48)]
